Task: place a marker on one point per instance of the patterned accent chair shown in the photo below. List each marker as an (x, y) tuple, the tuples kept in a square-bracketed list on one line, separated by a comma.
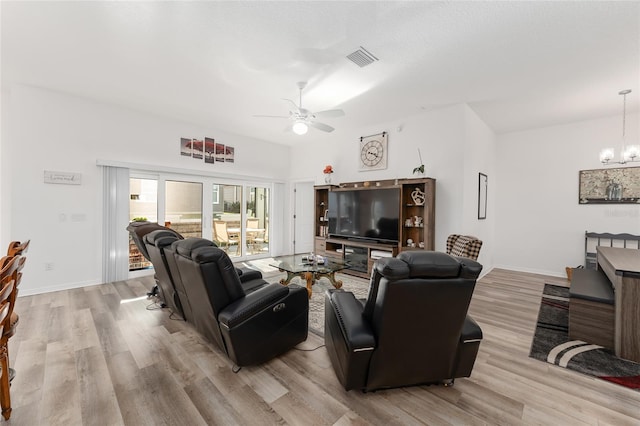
[(464, 246)]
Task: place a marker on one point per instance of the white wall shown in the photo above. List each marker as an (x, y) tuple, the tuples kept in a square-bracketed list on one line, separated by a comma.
[(52, 131), (534, 222), (479, 157), (5, 177), (455, 145), (540, 225)]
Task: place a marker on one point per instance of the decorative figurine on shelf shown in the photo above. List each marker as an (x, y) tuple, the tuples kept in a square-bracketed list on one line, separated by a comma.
[(328, 170), (408, 222), (417, 220), (421, 244), (410, 243), (417, 195)]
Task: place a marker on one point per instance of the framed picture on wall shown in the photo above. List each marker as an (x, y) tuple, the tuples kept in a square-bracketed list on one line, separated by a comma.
[(610, 186), (220, 152), (185, 147), (230, 154), (209, 150), (482, 195), (197, 147)]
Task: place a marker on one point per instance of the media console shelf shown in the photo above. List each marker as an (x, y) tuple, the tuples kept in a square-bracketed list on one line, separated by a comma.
[(416, 223), (359, 254)]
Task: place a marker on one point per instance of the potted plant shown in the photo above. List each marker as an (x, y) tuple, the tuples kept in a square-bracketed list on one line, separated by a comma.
[(328, 170), (420, 168)]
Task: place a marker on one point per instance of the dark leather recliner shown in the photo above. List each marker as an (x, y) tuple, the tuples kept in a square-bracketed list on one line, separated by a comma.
[(250, 327), (138, 229), (171, 288), (413, 328), (155, 243)]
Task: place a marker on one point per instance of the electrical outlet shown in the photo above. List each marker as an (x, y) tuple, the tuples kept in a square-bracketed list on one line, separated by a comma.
[(48, 266)]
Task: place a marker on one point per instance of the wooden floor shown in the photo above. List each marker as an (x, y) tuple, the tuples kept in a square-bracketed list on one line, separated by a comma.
[(96, 356)]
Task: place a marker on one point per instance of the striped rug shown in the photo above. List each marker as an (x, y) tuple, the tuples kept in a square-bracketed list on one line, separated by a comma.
[(551, 344)]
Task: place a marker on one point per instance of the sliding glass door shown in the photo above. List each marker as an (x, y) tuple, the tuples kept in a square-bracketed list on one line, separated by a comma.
[(183, 207), (257, 220), (233, 215), (240, 232), (226, 202), (143, 205)]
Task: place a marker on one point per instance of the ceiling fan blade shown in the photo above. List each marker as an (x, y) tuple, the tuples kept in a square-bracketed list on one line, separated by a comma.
[(321, 126), (330, 113), (272, 116), (293, 104)]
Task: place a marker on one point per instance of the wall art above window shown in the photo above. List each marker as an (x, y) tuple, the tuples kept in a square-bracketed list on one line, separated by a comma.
[(207, 148)]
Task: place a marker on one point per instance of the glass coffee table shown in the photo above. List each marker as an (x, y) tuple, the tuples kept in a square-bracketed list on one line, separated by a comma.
[(298, 265)]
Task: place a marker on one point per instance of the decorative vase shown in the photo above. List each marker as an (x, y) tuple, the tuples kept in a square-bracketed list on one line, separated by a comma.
[(327, 178)]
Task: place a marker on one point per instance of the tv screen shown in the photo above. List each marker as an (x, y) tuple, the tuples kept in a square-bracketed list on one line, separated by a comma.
[(365, 214)]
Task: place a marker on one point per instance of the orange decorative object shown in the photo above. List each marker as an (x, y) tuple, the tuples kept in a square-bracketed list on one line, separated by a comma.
[(328, 169)]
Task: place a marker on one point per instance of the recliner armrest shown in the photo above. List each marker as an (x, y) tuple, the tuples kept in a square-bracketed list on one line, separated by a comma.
[(244, 308), (248, 274), (355, 329), (348, 337), (470, 339)]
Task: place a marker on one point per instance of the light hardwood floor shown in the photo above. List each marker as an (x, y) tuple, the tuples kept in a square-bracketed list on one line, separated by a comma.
[(85, 357)]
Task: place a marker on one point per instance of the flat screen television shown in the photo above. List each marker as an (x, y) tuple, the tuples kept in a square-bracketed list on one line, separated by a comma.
[(370, 214)]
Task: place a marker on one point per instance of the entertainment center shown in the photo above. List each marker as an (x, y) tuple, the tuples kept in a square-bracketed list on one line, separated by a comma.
[(359, 222)]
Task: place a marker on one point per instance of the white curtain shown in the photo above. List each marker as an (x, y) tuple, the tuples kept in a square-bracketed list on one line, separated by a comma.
[(279, 221), (115, 193)]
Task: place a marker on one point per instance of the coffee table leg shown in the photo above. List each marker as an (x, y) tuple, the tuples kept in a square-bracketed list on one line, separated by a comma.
[(332, 278), (310, 279), (290, 276)]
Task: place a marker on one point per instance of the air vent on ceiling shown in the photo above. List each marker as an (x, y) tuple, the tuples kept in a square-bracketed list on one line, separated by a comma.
[(362, 57)]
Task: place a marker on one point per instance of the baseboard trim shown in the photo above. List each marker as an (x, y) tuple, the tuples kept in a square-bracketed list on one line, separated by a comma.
[(531, 270), (25, 291)]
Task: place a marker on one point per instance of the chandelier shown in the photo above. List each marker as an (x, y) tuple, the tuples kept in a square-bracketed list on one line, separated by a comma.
[(628, 154)]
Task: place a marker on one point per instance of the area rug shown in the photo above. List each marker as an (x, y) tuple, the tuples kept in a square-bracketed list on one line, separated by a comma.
[(551, 344), (358, 286)]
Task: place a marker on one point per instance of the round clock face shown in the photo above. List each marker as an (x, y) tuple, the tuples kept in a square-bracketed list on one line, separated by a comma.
[(372, 153)]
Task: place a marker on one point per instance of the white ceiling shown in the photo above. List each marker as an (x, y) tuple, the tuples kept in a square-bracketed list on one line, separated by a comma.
[(519, 65)]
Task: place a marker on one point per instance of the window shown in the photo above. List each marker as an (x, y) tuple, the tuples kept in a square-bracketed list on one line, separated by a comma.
[(143, 205)]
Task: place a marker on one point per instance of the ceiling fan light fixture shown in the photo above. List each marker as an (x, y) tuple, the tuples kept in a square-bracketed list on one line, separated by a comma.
[(300, 128)]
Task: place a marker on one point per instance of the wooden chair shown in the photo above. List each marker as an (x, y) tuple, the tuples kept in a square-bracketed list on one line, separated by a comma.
[(10, 329), (221, 236), (17, 248), (9, 274), (254, 238)]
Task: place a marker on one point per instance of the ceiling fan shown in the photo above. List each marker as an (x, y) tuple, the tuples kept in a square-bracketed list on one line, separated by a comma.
[(302, 118)]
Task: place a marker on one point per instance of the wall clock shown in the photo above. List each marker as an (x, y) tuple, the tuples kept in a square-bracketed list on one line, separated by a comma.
[(373, 152)]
